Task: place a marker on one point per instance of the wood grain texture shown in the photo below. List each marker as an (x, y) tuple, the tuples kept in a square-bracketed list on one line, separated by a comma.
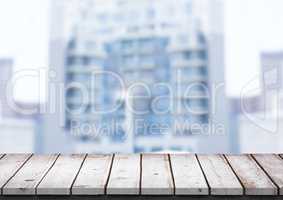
[(156, 175), (59, 180), (125, 175), (29, 176), (273, 166), (9, 165), (93, 175), (188, 177), (253, 178), (220, 177)]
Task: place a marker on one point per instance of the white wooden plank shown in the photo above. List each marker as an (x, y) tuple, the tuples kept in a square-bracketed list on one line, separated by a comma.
[(60, 178), (29, 176), (156, 175), (220, 177), (9, 165), (273, 166), (125, 175), (188, 177), (251, 175), (93, 175)]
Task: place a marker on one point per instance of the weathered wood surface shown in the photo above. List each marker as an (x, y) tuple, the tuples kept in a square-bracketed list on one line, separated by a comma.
[(255, 181), (26, 180), (149, 176), (188, 177), (273, 166), (61, 176), (220, 177), (125, 175), (9, 165), (156, 176), (93, 175)]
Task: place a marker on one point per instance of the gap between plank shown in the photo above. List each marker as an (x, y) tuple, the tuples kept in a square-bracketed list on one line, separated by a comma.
[(209, 189), (109, 173), (140, 184), (2, 156), (46, 173), (278, 188), (244, 189), (15, 173), (77, 174), (172, 175)]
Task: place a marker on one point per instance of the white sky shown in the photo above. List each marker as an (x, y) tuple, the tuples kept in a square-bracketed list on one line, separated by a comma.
[(251, 26), (24, 29)]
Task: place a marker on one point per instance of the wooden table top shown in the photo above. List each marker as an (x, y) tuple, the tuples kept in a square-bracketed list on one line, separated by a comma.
[(141, 174)]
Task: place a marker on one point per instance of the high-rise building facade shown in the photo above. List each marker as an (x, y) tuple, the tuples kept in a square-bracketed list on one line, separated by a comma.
[(168, 55)]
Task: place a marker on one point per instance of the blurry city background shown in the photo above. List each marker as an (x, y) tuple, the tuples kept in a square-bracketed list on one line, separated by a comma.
[(234, 44)]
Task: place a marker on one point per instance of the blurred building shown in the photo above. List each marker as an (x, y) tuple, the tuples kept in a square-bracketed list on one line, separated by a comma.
[(6, 71), (18, 135), (272, 69), (272, 80), (259, 118), (252, 104), (260, 132), (18, 131), (238, 108), (147, 42)]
